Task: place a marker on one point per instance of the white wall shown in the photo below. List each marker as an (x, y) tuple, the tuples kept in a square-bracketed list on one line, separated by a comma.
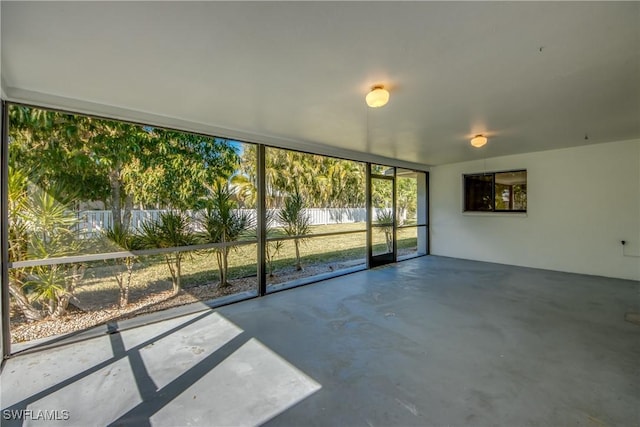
[(581, 203)]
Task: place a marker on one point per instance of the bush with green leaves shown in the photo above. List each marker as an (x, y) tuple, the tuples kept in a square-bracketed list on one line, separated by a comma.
[(223, 222), (295, 222), (41, 225), (171, 230), (19, 242)]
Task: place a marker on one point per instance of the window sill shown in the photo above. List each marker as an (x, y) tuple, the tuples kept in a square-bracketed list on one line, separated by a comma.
[(501, 214)]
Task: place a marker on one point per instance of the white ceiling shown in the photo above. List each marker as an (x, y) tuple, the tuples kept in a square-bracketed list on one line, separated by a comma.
[(532, 76)]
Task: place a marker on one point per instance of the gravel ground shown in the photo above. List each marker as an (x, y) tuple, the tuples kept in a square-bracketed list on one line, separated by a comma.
[(95, 314)]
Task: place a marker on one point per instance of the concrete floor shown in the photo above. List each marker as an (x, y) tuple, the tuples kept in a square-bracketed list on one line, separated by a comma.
[(430, 341)]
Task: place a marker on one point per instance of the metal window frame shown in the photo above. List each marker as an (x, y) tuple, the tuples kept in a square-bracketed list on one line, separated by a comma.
[(493, 191), (370, 225), (261, 239), (4, 233), (262, 220)]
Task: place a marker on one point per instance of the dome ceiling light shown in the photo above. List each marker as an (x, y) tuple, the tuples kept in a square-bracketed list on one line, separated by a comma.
[(478, 141), (378, 97)]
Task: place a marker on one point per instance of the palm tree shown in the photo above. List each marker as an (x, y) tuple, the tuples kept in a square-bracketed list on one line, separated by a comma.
[(170, 231), (322, 181), (295, 221), (49, 228), (19, 241), (223, 222), (245, 190)]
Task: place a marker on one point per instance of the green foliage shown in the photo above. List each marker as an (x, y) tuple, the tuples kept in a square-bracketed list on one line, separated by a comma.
[(51, 146), (121, 239), (246, 191), (381, 193), (296, 222), (120, 164), (517, 191), (19, 241), (171, 230), (50, 226), (18, 200), (47, 284), (178, 168), (223, 222), (41, 226), (322, 181), (406, 198), (59, 162)]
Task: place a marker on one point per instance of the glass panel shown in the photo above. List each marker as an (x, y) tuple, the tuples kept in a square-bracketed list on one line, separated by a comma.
[(406, 197), (318, 256), (310, 194), (511, 191), (382, 201), (80, 185), (382, 170), (123, 288), (412, 242), (382, 216), (411, 208), (382, 240), (407, 242), (478, 192)]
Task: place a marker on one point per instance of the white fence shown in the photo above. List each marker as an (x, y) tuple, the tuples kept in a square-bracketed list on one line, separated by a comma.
[(92, 222)]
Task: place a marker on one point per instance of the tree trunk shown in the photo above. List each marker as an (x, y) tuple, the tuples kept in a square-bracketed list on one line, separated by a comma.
[(30, 312), (126, 215), (124, 283), (225, 265), (175, 282), (124, 300), (120, 281), (267, 256), (51, 306), (62, 303), (298, 263), (177, 285), (223, 277), (116, 198)]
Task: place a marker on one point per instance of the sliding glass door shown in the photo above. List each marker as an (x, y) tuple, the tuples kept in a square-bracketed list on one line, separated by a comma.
[(382, 215)]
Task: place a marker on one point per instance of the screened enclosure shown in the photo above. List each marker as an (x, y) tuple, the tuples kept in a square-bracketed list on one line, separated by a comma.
[(108, 220)]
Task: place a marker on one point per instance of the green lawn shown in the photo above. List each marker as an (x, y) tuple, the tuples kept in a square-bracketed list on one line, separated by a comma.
[(151, 273), (97, 294)]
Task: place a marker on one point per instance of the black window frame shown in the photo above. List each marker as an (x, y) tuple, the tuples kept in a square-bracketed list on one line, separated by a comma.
[(261, 238), (492, 175)]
